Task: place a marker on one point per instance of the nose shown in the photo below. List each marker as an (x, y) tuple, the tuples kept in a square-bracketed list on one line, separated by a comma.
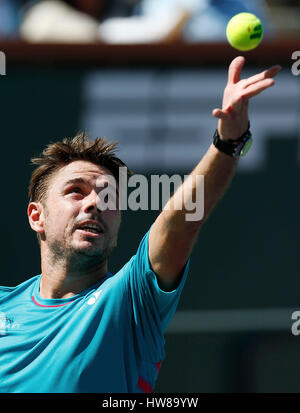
[(91, 203)]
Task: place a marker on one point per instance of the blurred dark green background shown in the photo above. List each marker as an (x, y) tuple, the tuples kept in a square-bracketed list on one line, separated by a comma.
[(247, 255)]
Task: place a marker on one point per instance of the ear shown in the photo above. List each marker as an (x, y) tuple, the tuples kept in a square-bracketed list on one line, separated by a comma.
[(36, 216)]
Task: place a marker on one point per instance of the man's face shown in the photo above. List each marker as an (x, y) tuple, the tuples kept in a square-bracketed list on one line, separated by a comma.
[(72, 209)]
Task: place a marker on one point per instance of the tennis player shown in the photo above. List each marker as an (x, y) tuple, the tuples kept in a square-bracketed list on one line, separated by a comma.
[(77, 328)]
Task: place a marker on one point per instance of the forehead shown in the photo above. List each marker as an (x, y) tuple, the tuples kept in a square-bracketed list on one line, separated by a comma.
[(78, 169)]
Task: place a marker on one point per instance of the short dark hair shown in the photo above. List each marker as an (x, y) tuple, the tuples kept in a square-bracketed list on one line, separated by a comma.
[(58, 154)]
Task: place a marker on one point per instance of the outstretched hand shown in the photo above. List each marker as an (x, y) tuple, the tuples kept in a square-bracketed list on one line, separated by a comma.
[(233, 117)]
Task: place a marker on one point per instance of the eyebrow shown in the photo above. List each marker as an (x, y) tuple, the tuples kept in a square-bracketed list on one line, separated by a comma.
[(81, 181), (76, 181)]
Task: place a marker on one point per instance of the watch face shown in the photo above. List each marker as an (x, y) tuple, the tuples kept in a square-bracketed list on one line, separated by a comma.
[(246, 147)]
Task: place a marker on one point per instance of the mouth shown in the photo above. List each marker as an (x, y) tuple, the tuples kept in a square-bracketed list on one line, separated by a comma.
[(90, 228), (89, 232)]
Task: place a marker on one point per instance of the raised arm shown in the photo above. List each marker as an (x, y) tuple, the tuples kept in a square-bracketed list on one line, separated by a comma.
[(172, 236)]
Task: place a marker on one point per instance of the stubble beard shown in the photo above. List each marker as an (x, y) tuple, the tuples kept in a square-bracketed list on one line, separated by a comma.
[(78, 259)]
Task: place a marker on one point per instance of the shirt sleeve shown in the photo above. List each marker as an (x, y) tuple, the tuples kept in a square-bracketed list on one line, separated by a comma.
[(152, 305)]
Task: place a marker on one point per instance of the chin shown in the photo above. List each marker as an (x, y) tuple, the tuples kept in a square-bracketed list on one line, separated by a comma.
[(92, 247), (86, 246)]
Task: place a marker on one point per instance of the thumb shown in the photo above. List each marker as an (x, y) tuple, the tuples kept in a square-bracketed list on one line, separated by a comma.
[(219, 114)]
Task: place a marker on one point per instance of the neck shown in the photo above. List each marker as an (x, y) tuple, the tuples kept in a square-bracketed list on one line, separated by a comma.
[(66, 278)]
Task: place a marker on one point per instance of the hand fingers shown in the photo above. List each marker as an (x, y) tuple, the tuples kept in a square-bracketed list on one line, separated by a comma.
[(235, 69), (263, 75), (258, 87)]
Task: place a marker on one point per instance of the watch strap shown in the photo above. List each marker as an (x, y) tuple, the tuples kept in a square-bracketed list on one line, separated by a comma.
[(234, 147)]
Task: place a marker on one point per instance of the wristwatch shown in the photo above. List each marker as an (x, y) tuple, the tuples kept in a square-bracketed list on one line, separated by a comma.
[(234, 147)]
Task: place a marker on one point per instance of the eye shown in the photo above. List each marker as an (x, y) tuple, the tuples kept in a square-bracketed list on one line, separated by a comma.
[(75, 190)]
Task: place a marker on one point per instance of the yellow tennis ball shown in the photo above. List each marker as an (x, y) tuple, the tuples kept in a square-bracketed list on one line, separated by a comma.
[(244, 31)]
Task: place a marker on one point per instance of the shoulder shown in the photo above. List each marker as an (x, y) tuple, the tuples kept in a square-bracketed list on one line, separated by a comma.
[(6, 291)]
